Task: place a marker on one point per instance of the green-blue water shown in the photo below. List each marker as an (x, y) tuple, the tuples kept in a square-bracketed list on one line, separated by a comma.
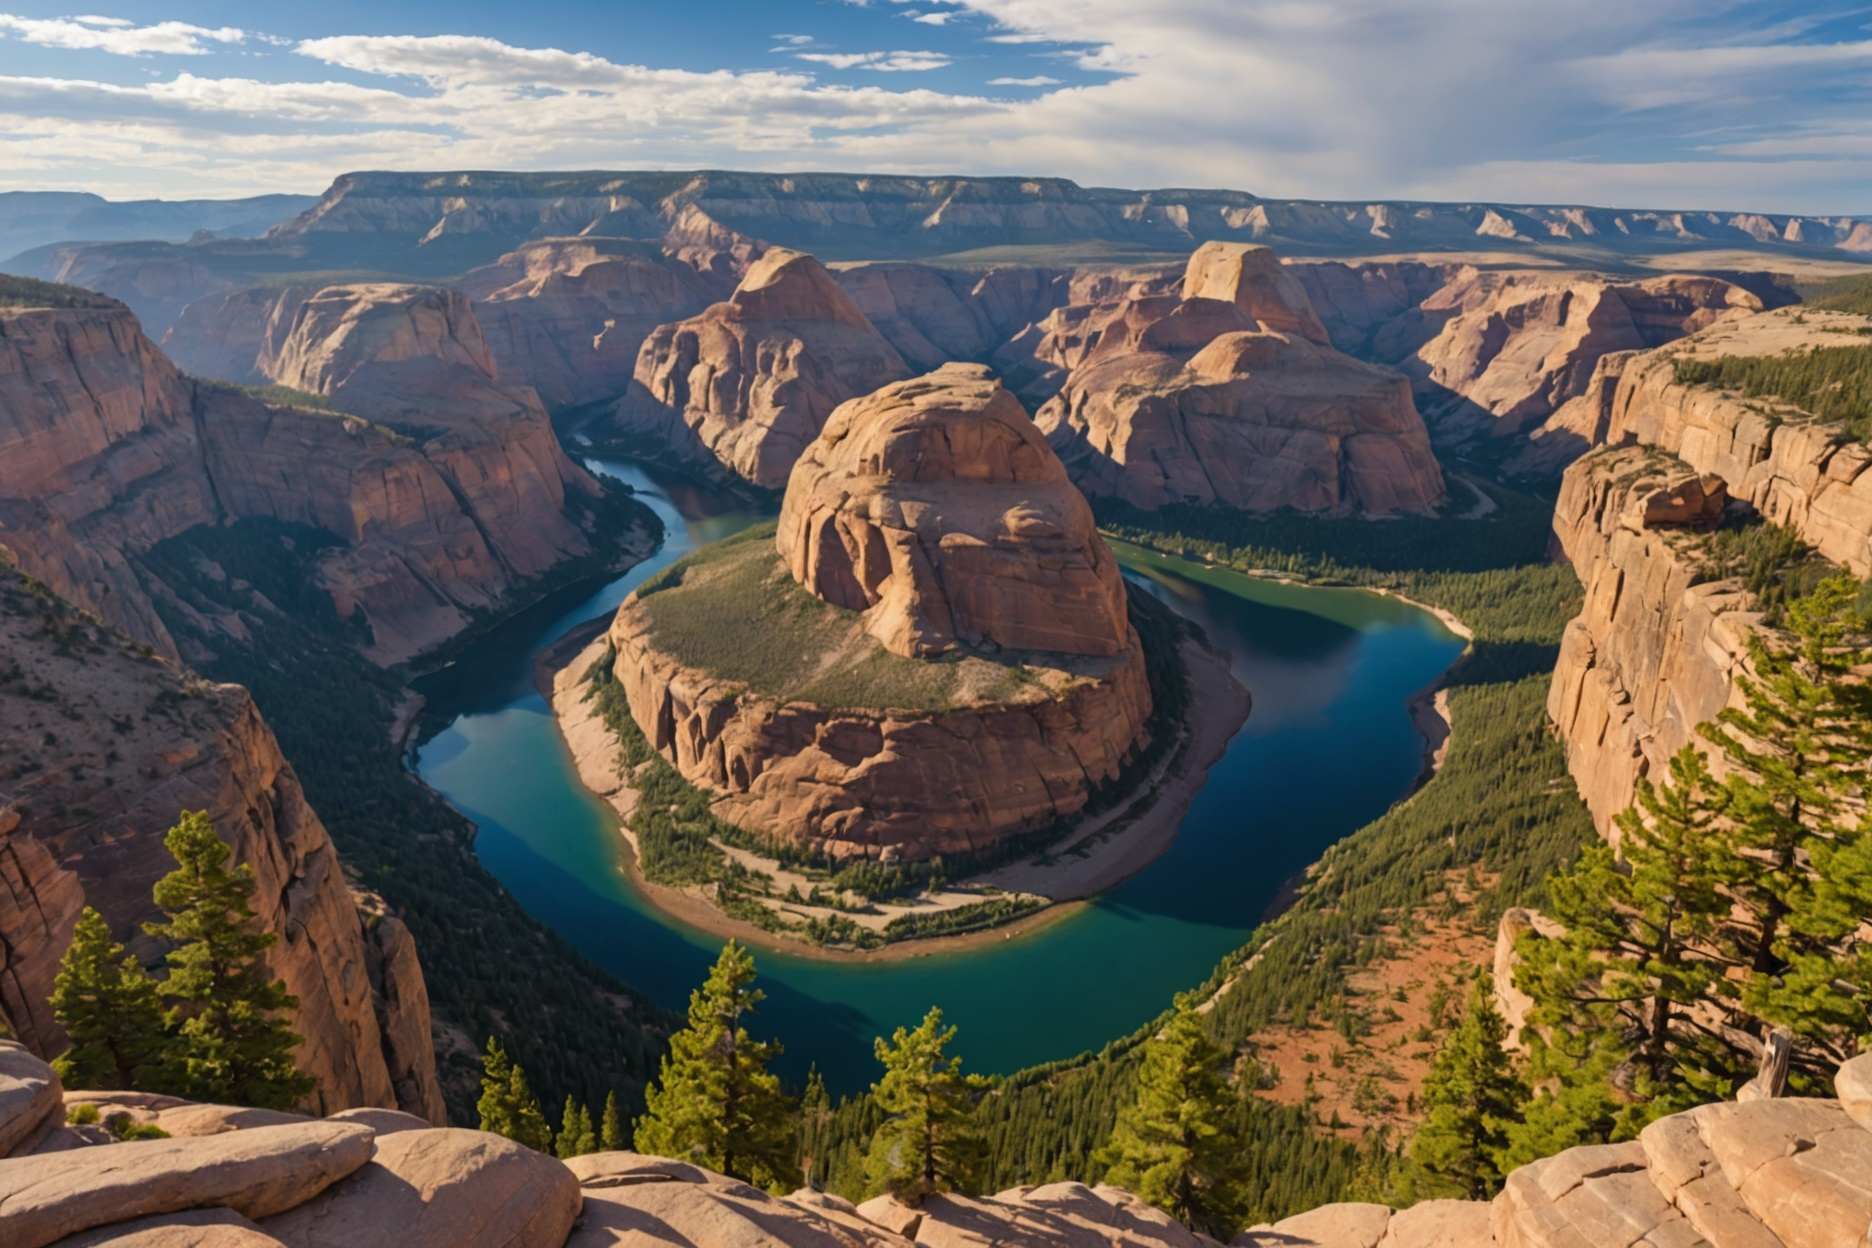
[(1328, 747)]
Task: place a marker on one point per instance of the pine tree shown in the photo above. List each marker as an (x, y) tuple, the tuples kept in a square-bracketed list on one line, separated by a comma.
[(1797, 750), (931, 1139), (507, 1106), (575, 1131), (611, 1137), (1178, 1143), (815, 1117), (231, 1045), (715, 1103), (1470, 1097), (110, 1009)]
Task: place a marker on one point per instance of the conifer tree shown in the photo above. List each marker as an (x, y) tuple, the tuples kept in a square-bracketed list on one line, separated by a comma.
[(1178, 1144), (931, 1139), (611, 1137), (575, 1131), (1470, 1097), (507, 1106), (1797, 751), (230, 1043), (815, 1117), (716, 1104), (109, 1007)]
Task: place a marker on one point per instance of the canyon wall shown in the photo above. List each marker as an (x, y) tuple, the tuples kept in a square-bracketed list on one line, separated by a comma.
[(107, 745), (108, 451)]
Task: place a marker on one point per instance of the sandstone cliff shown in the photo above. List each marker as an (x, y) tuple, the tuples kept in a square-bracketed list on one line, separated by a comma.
[(1756, 1174), (1198, 398), (109, 451), (935, 507), (1494, 353), (750, 381), (927, 518), (107, 745)]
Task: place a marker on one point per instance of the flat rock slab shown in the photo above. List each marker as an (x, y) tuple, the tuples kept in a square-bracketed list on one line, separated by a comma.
[(1803, 1167), (256, 1173), (1351, 1224), (29, 1096), (198, 1228), (439, 1188), (382, 1121)]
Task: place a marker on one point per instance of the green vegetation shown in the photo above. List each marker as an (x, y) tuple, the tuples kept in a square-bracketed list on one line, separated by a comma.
[(1737, 908), (715, 1103), (576, 1136), (29, 292), (1471, 1096), (930, 1138), (491, 968), (1177, 1145), (1833, 385), (109, 1007), (1841, 294), (223, 1036), (507, 1106), (732, 610), (1771, 561)]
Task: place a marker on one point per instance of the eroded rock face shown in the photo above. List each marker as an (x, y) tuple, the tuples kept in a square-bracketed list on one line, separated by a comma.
[(116, 452), (118, 743), (935, 316), (750, 381), (1198, 398), (1656, 648), (935, 506)]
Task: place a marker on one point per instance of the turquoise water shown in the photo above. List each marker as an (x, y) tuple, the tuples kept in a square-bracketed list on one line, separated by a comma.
[(1329, 746)]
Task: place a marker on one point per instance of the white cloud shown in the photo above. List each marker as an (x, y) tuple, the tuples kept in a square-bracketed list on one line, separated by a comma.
[(1038, 80), (930, 19), (118, 36), (882, 62)]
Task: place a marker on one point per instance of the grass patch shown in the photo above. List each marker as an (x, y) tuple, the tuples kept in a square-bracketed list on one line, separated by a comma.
[(30, 292), (732, 611)]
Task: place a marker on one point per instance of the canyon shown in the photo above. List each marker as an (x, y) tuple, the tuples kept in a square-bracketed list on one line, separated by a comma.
[(927, 518)]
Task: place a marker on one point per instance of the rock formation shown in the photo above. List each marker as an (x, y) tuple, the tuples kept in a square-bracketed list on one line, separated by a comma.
[(1767, 1173), (107, 744), (750, 381), (1497, 353), (935, 506), (934, 509), (111, 451), (1657, 647), (1200, 398), (568, 316)]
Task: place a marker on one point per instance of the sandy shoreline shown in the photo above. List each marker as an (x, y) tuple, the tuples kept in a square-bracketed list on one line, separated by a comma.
[(1104, 851)]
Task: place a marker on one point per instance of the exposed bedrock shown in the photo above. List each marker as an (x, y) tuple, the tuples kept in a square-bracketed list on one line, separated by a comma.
[(107, 745), (747, 383), (934, 513), (1198, 397)]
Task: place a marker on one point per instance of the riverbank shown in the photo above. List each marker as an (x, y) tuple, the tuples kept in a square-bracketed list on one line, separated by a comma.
[(1101, 852)]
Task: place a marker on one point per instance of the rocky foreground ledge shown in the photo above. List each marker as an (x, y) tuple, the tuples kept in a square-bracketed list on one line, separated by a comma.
[(1755, 1174)]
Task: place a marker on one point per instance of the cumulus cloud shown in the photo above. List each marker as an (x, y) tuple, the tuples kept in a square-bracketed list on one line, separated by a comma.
[(118, 35), (1037, 80), (882, 62)]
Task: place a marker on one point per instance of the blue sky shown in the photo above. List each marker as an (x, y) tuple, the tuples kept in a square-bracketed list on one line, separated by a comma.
[(1656, 103)]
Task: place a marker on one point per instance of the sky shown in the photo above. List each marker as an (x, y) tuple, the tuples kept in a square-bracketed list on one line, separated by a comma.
[(1636, 103)]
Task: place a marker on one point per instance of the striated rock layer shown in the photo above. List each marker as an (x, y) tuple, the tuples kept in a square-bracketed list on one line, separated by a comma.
[(750, 381), (106, 745), (108, 451), (1226, 394), (935, 506), (935, 509)]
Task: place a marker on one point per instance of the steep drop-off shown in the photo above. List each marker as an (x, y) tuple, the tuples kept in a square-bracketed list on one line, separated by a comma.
[(108, 451), (107, 744)]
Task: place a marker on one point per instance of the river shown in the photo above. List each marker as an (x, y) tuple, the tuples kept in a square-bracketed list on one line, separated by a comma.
[(1328, 747)]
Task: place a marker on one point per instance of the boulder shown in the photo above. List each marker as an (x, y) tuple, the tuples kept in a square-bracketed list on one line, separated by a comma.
[(256, 1173), (439, 1188), (749, 382), (197, 1228), (1055, 1215), (382, 1121), (1694, 502), (1853, 1086), (1253, 279), (630, 1199), (935, 506), (1349, 1225), (30, 1096)]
